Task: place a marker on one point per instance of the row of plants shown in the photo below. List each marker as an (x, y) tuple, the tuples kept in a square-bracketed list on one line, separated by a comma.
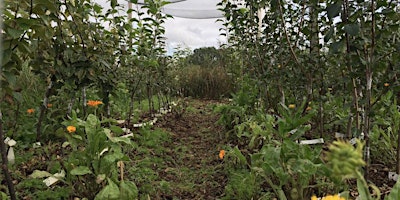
[(265, 158), (308, 70), (69, 70)]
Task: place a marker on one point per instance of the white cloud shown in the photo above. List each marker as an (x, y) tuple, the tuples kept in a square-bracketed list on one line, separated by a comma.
[(193, 33)]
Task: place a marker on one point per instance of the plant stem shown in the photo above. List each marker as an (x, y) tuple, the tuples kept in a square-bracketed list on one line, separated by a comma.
[(4, 164), (398, 151), (43, 109), (84, 101)]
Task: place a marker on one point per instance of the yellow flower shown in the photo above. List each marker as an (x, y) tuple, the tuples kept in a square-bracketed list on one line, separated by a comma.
[(386, 84), (291, 106), (221, 154), (329, 197), (30, 110), (71, 129), (92, 103), (314, 197)]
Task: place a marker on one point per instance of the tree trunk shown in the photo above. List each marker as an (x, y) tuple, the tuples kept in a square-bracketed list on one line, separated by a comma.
[(4, 164)]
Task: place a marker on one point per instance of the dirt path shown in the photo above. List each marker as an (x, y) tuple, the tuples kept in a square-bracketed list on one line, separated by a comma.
[(195, 171)]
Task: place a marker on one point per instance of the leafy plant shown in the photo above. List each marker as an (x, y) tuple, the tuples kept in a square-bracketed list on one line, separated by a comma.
[(276, 158), (92, 164)]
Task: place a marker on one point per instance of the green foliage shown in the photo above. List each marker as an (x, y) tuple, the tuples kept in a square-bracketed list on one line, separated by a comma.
[(244, 104), (274, 156), (201, 82), (36, 189), (384, 132), (208, 57), (96, 152), (395, 193), (242, 184)]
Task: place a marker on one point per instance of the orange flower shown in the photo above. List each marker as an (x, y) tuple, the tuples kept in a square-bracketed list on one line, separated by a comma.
[(49, 105), (291, 106), (221, 154), (30, 110), (386, 84), (71, 129), (92, 103)]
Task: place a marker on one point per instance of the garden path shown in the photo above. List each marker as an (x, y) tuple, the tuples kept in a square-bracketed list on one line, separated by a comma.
[(196, 171)]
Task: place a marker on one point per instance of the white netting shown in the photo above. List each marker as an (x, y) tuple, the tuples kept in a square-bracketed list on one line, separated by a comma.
[(172, 1), (189, 13), (193, 14)]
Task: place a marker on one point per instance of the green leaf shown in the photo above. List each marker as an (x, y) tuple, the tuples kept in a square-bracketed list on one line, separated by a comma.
[(113, 3), (81, 170), (128, 190), (113, 157), (116, 130), (333, 10), (352, 29), (117, 139), (7, 54), (111, 191), (395, 193), (239, 155), (336, 47), (329, 34), (345, 194), (77, 137), (4, 196), (14, 33), (40, 174), (362, 190)]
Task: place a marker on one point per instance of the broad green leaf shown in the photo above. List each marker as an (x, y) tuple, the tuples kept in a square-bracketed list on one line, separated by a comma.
[(18, 96), (65, 144), (77, 137), (239, 155), (92, 120), (11, 78), (352, 29), (282, 194), (395, 193), (7, 54), (110, 192), (3, 196), (329, 34), (333, 10), (116, 129), (336, 47), (113, 3), (113, 157), (14, 33), (81, 170), (345, 194), (128, 190), (117, 139), (362, 190), (97, 8)]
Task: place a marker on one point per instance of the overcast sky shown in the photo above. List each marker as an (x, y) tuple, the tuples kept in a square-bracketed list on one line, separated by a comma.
[(192, 33)]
